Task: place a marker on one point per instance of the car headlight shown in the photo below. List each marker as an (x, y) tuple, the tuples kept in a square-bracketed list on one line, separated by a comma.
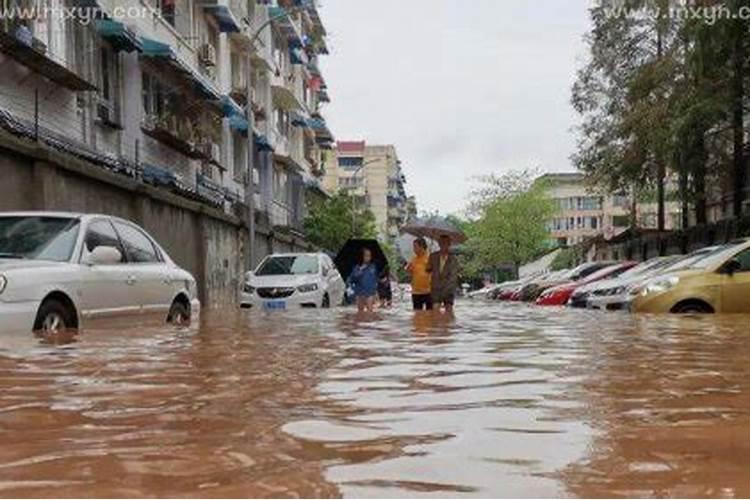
[(248, 288), (312, 287), (618, 291), (660, 285), (3, 283)]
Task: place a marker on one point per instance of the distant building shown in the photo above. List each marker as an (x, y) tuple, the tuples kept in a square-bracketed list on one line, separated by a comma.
[(373, 175), (584, 213)]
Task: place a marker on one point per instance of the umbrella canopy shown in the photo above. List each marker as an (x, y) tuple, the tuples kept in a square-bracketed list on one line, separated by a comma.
[(434, 228), (349, 256)]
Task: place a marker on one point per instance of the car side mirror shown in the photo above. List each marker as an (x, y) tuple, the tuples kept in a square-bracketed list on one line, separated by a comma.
[(731, 267), (326, 272), (103, 256)]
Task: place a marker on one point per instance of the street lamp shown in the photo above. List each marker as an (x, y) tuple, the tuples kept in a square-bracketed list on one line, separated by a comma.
[(250, 117)]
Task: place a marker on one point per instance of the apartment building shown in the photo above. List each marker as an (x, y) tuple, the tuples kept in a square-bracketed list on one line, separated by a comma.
[(218, 101), (583, 213), (373, 175)]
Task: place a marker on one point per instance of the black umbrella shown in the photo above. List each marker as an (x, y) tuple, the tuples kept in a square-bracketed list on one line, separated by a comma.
[(350, 255)]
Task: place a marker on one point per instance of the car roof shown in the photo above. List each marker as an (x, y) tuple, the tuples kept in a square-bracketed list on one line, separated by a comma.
[(291, 254), (65, 215)]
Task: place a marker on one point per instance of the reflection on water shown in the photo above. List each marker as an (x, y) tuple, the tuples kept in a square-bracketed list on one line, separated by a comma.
[(503, 400)]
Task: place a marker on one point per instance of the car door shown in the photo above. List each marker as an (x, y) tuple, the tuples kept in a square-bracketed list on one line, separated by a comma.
[(106, 290), (735, 289), (152, 281)]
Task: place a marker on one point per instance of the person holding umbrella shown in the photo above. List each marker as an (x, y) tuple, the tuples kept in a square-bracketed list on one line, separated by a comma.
[(443, 266), (364, 281)]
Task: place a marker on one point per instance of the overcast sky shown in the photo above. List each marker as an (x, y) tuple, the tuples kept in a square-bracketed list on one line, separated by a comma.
[(461, 87)]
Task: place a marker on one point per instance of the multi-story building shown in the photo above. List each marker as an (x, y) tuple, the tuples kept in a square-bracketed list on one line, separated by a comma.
[(583, 213), (215, 100), (373, 175)]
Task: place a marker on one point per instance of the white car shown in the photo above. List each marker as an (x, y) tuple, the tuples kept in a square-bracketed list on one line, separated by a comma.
[(60, 270), (283, 281)]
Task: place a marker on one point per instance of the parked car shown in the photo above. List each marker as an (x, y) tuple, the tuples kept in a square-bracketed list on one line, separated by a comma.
[(58, 271), (613, 294), (282, 281), (620, 297), (716, 283), (560, 295), (535, 290)]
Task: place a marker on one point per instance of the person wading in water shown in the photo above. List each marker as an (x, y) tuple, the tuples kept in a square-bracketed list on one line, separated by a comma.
[(443, 266)]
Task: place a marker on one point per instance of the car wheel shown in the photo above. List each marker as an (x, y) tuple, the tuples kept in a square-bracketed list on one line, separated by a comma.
[(326, 302), (54, 317), (693, 308), (178, 314)]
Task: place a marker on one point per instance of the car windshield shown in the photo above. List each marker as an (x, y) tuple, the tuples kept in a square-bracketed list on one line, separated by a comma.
[(288, 265), (38, 237), (714, 258)]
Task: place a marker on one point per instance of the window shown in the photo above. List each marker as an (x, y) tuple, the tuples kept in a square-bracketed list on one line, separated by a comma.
[(282, 121), (137, 245), (158, 100), (41, 238), (351, 162), (744, 259), (239, 153), (100, 233), (108, 105), (279, 185), (620, 221)]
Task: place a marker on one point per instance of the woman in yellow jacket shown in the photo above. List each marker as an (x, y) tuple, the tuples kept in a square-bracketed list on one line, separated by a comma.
[(421, 281)]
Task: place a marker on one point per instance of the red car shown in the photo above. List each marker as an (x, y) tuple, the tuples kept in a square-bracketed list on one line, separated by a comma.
[(560, 295)]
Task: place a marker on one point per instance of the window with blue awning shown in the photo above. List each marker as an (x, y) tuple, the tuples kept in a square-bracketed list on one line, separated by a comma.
[(224, 18), (118, 35)]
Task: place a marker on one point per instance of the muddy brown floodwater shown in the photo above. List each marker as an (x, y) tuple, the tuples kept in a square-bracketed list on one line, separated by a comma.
[(508, 400)]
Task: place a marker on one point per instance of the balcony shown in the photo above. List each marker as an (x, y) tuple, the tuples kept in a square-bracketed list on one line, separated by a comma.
[(18, 42), (282, 88), (227, 17)]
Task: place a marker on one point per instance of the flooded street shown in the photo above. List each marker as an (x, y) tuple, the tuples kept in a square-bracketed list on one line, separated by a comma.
[(505, 401)]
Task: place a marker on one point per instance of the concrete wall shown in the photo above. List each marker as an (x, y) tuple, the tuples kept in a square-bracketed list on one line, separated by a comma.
[(209, 243)]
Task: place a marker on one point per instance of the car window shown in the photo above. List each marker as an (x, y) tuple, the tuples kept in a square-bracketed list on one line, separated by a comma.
[(138, 246), (744, 259), (289, 265), (100, 233), (42, 238)]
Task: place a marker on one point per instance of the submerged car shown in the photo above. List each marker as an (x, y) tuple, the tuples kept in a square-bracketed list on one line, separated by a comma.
[(614, 294), (282, 281), (716, 283), (561, 294), (60, 270)]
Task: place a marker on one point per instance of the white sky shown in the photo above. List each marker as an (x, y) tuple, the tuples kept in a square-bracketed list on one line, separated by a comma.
[(461, 87)]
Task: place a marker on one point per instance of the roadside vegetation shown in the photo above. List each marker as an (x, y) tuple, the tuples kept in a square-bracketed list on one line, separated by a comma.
[(662, 100)]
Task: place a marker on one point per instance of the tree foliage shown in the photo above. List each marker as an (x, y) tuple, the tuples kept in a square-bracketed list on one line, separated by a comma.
[(329, 222), (662, 97), (511, 227)]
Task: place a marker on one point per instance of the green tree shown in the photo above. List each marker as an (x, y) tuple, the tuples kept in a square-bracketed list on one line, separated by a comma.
[(512, 227), (328, 223)]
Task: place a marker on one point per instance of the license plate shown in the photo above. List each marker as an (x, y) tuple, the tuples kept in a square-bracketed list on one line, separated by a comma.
[(275, 305)]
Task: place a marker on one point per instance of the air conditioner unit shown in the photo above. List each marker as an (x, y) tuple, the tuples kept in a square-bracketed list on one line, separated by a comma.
[(207, 55)]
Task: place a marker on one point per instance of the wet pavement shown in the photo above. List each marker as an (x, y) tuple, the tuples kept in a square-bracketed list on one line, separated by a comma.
[(507, 400)]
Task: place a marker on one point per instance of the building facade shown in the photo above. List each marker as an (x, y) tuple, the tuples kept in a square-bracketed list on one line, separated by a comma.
[(218, 101), (373, 175), (583, 213)]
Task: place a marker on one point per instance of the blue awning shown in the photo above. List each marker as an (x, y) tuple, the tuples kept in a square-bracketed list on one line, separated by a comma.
[(298, 56), (118, 35), (262, 143), (224, 18), (235, 113), (155, 49), (299, 121)]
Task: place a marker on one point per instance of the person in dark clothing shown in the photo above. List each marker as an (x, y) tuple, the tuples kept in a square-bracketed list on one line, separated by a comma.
[(385, 294)]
